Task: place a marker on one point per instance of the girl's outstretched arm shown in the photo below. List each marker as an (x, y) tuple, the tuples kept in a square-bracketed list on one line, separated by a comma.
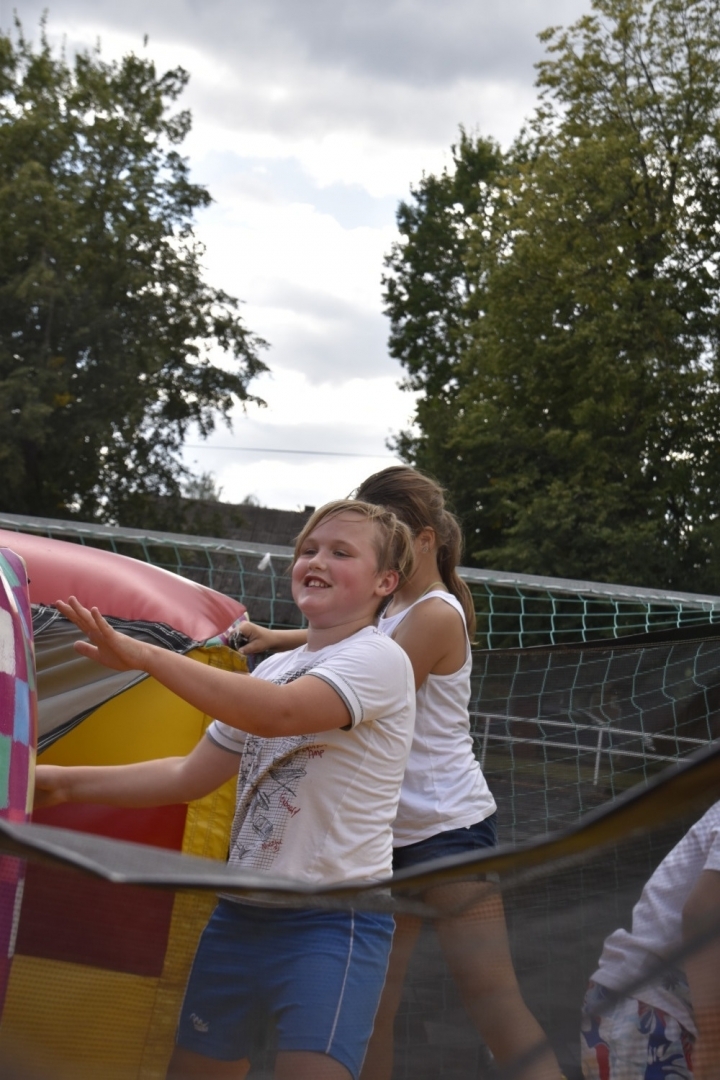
[(260, 707), (146, 783)]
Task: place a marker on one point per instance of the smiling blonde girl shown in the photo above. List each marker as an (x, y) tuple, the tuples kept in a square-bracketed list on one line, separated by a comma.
[(319, 737)]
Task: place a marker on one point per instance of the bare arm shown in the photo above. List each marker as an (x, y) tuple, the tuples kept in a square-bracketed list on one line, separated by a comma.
[(433, 636), (700, 914), (302, 707), (146, 783), (263, 639)]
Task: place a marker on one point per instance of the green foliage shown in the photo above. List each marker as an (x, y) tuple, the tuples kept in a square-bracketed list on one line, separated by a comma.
[(107, 330), (202, 486), (430, 290), (582, 439)]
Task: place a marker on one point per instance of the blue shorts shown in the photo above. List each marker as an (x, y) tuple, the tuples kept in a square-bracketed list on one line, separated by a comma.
[(483, 834), (319, 973)]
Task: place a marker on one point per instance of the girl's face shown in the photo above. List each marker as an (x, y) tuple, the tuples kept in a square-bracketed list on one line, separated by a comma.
[(335, 578)]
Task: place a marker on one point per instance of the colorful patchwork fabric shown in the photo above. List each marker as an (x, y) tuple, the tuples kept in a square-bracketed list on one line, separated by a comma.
[(18, 736)]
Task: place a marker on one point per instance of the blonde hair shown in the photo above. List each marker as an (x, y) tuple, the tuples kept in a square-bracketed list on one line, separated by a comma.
[(393, 540), (419, 501)]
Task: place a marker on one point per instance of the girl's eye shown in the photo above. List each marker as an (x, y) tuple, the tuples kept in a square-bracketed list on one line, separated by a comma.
[(341, 552)]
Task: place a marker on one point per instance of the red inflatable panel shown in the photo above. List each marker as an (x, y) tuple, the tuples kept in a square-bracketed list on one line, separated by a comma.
[(97, 923), (123, 587)]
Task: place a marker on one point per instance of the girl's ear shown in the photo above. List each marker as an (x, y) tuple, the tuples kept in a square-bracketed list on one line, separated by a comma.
[(388, 583), (425, 540)]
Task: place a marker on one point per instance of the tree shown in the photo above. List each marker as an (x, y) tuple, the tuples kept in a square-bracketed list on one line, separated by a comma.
[(431, 292), (108, 332), (203, 486), (585, 439)]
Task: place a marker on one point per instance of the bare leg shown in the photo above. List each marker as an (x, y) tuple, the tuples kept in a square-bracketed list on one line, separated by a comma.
[(187, 1065), (477, 951), (303, 1065), (380, 1053)]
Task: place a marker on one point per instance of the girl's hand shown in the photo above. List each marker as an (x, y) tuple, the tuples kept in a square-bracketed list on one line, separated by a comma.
[(48, 786), (106, 646), (259, 639)]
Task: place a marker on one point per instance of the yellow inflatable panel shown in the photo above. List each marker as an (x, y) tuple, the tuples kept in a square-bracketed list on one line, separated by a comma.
[(146, 721), (41, 1035)]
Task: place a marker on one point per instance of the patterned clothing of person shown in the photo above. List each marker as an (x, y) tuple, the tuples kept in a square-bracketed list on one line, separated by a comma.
[(627, 1039)]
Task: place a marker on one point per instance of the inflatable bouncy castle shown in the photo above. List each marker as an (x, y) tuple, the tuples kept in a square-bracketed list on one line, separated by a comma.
[(115, 956), (602, 755)]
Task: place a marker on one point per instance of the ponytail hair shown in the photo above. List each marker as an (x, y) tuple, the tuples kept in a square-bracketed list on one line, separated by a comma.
[(419, 501)]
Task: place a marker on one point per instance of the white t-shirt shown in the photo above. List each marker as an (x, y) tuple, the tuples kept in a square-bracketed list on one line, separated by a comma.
[(657, 923), (319, 808), (444, 787)]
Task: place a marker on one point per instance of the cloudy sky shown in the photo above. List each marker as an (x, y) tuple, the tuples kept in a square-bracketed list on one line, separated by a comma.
[(311, 119)]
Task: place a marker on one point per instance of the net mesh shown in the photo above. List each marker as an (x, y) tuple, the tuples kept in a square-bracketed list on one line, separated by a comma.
[(559, 730), (100, 966)]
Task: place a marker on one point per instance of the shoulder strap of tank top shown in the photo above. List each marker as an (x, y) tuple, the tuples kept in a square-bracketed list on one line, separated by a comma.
[(436, 593), (440, 594)]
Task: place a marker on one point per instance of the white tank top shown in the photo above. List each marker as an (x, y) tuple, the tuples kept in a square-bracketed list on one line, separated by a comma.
[(443, 787)]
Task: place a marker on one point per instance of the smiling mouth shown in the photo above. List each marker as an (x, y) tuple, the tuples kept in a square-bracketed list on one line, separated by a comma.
[(315, 583)]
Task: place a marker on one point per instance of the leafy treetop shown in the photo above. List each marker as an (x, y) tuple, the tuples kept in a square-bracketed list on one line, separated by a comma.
[(109, 335), (577, 419)]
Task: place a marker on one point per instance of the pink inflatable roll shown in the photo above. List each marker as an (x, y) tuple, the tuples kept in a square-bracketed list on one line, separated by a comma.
[(123, 587)]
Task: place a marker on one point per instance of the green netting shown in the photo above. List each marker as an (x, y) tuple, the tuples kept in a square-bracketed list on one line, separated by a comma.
[(513, 610), (540, 611)]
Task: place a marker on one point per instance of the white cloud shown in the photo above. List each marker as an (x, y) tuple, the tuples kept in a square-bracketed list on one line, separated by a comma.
[(312, 288), (365, 404), (353, 418), (405, 72)]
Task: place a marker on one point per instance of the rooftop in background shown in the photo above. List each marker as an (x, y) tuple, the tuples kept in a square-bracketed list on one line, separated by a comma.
[(245, 523), (259, 524)]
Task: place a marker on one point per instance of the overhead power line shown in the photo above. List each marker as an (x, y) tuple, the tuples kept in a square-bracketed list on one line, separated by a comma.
[(276, 450)]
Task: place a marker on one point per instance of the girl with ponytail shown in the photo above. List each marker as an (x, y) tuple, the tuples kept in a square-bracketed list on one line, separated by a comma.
[(445, 807)]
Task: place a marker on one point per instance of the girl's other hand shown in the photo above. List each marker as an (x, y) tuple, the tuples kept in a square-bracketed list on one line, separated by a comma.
[(260, 639), (105, 646)]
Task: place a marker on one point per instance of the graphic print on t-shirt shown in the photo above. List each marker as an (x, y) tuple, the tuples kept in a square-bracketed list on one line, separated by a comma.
[(270, 773)]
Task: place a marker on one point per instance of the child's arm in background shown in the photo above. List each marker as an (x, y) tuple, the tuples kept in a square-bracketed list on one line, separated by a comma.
[(261, 639), (701, 913), (146, 783), (302, 707)]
